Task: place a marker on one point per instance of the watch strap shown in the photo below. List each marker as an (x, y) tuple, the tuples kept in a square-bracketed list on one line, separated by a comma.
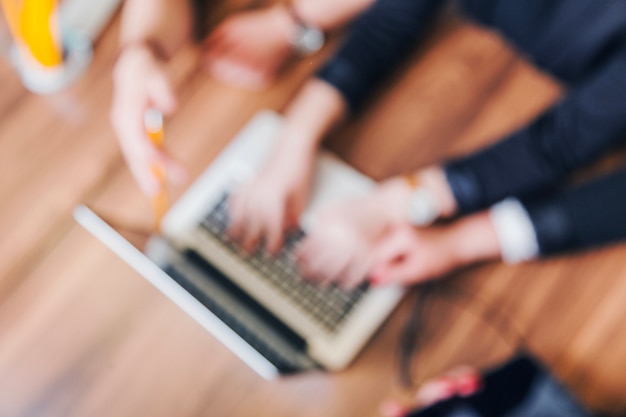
[(422, 209), (293, 13), (308, 38)]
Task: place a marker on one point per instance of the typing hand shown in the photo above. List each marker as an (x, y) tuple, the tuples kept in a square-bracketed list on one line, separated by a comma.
[(336, 249), (270, 204), (140, 83), (343, 236), (462, 381), (407, 255)]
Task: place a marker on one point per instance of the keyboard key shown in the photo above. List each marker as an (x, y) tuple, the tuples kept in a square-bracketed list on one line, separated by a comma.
[(329, 306)]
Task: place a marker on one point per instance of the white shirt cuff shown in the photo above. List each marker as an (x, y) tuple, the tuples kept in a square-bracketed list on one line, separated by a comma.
[(515, 231)]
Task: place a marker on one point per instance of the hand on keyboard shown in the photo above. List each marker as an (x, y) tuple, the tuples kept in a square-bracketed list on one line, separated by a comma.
[(329, 305), (340, 242), (350, 239), (263, 209)]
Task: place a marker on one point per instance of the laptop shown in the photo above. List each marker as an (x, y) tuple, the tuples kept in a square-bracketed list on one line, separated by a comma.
[(258, 305)]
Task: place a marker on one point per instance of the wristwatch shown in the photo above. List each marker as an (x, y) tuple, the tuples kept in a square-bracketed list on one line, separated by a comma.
[(308, 38), (423, 208)]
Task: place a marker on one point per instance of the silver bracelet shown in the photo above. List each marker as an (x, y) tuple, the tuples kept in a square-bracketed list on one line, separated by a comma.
[(423, 208)]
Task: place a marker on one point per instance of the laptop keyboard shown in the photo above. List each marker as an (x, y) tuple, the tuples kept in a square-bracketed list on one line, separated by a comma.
[(286, 352), (329, 306)]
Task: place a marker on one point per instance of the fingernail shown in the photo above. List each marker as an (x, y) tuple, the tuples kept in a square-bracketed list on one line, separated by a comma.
[(376, 280), (391, 409), (468, 385), (435, 391), (444, 388)]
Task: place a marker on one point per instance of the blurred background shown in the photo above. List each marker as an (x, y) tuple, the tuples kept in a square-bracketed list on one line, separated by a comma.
[(81, 334)]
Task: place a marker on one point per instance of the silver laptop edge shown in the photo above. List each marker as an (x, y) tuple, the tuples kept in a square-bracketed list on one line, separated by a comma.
[(239, 161), (166, 285), (334, 179)]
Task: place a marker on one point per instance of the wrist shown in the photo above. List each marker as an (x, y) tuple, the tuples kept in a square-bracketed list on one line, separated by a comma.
[(133, 58), (296, 148), (148, 46), (394, 196), (474, 239), (303, 35), (421, 198), (434, 179), (306, 128), (284, 21)]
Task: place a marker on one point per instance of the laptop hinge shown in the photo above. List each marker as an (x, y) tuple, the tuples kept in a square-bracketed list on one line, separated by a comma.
[(258, 327)]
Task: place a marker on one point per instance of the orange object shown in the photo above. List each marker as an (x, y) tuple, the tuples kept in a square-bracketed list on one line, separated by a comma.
[(153, 121), (35, 27), (412, 180)]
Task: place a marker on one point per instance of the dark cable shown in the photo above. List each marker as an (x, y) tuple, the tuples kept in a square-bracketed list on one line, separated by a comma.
[(411, 336)]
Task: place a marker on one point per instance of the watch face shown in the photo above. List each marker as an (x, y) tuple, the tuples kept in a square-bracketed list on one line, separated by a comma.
[(309, 40), (422, 208)]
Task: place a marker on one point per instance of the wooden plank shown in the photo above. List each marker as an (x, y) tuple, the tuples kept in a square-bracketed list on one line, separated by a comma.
[(429, 104), (85, 335), (53, 149)]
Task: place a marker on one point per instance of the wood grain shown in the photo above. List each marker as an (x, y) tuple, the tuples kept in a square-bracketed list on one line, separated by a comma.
[(83, 335)]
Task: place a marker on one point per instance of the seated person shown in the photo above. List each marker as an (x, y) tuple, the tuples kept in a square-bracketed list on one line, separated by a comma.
[(580, 43), (246, 50)]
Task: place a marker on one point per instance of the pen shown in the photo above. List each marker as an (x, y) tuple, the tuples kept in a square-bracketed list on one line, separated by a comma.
[(35, 27), (153, 122)]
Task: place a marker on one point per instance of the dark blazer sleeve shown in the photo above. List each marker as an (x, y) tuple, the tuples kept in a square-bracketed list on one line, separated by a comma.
[(376, 43), (590, 120), (583, 217), (581, 43)]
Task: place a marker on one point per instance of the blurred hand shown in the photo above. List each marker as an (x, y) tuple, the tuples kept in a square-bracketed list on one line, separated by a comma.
[(342, 240), (371, 238), (462, 381), (338, 244), (348, 253), (250, 48), (407, 255), (139, 83), (270, 204), (263, 209)]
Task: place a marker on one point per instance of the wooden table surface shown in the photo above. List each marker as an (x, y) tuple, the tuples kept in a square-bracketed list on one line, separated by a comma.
[(82, 334)]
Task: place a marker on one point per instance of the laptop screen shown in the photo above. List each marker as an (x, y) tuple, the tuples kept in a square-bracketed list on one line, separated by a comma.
[(172, 272)]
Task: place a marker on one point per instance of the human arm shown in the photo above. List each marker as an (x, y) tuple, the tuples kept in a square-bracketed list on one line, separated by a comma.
[(400, 254), (286, 178), (580, 218), (585, 124), (342, 236), (164, 21), (151, 31), (249, 48), (378, 40), (583, 46), (574, 219), (407, 255), (330, 14), (577, 218), (272, 201)]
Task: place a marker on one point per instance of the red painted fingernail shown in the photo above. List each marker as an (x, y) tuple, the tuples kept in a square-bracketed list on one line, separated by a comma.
[(445, 387), (468, 385), (391, 409), (375, 280)]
